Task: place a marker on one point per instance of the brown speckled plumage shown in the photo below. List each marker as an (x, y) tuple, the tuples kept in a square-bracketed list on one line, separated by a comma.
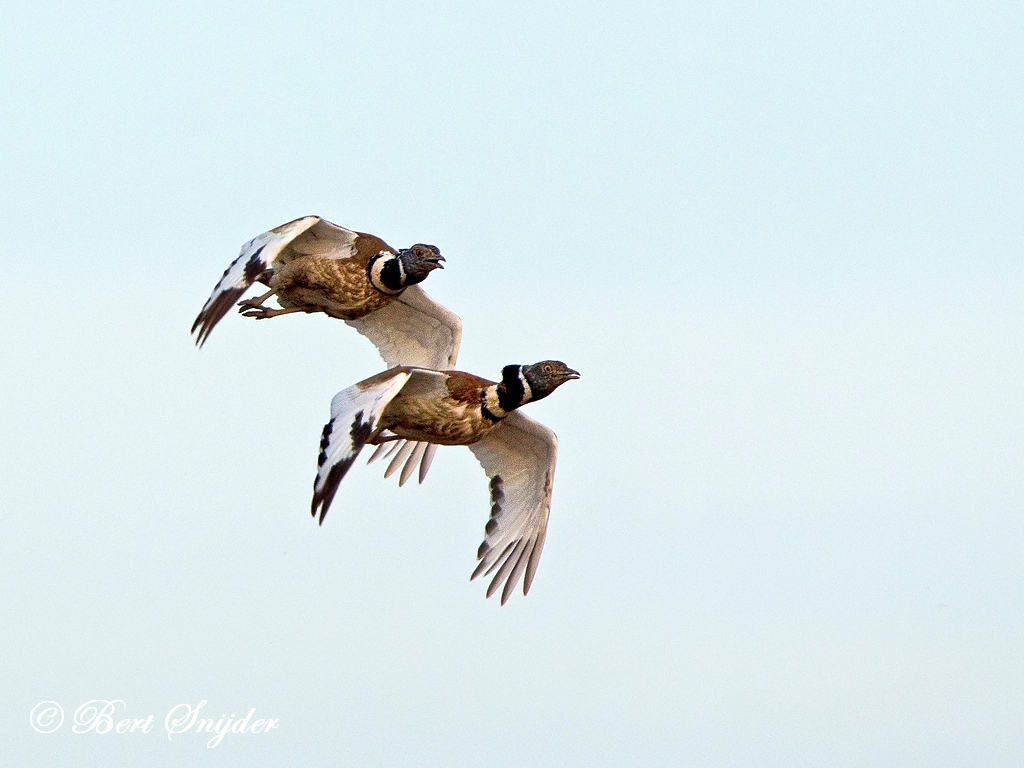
[(312, 265), (451, 419), (455, 408), (338, 287)]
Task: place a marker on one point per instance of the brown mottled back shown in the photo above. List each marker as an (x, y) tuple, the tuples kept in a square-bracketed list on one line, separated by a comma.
[(368, 246), (465, 387)]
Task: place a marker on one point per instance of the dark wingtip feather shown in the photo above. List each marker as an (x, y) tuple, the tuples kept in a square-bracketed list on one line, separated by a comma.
[(480, 566), (359, 433), (214, 312), (334, 478), (329, 491)]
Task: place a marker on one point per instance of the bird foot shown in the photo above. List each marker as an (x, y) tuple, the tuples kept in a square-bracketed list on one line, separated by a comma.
[(260, 313)]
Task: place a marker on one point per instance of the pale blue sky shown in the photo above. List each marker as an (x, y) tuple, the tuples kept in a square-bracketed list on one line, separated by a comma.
[(782, 245)]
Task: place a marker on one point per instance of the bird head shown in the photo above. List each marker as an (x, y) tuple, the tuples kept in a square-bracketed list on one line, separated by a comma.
[(419, 261), (547, 376)]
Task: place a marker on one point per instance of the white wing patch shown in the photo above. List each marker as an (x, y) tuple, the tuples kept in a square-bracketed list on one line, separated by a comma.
[(255, 259), (519, 456), (324, 239), (412, 330), (355, 412)]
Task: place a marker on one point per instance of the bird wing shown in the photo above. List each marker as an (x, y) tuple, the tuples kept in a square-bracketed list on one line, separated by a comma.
[(355, 413), (412, 330), (326, 240), (519, 458), (308, 235)]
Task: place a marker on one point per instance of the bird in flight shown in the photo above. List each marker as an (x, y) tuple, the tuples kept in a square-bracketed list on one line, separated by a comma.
[(312, 265), (444, 407)]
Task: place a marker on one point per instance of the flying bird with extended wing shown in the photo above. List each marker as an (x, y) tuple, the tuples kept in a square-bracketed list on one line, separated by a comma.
[(456, 408), (312, 265)]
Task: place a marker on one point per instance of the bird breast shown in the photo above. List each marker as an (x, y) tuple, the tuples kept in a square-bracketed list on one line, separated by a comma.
[(339, 287)]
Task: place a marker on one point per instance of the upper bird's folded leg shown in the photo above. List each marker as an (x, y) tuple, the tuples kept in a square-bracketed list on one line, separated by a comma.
[(256, 303), (262, 313)]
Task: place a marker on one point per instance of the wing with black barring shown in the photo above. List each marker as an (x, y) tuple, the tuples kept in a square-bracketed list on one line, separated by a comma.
[(519, 457)]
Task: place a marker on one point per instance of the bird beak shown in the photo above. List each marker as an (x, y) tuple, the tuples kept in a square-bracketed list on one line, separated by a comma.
[(571, 374)]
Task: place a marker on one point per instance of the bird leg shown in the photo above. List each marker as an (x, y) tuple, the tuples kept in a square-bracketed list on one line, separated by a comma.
[(256, 303), (262, 313)]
